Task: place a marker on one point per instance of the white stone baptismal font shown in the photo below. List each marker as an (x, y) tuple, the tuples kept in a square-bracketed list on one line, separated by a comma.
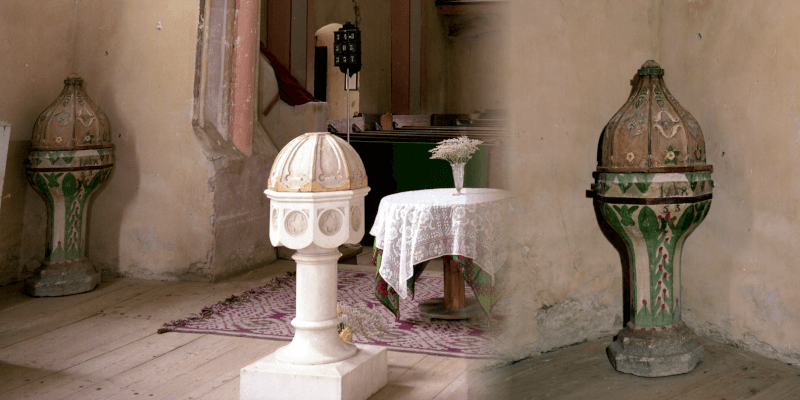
[(316, 189)]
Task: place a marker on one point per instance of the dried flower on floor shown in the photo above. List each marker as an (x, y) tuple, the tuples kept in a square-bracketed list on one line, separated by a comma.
[(360, 319), (346, 334), (456, 150)]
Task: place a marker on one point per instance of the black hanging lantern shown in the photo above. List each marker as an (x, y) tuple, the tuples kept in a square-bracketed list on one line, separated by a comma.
[(347, 48)]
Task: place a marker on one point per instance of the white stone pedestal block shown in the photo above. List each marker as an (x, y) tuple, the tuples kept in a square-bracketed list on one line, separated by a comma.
[(355, 378)]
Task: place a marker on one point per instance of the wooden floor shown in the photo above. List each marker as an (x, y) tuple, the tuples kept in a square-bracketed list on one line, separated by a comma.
[(103, 345), (584, 372)]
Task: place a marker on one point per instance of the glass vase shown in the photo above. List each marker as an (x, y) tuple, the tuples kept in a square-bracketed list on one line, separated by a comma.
[(458, 176)]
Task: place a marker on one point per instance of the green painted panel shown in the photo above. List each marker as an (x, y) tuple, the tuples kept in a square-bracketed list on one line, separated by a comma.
[(413, 169)]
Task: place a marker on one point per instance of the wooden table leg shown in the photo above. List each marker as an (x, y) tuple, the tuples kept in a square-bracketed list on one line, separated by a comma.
[(454, 305), (453, 285)]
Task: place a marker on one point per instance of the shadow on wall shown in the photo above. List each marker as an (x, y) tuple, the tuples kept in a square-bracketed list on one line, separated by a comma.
[(124, 183)]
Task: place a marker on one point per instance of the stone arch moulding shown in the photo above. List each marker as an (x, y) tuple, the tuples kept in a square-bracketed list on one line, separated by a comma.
[(225, 95)]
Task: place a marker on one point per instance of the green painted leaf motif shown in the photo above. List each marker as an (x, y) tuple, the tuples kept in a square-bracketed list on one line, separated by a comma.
[(98, 179), (659, 98), (642, 95), (643, 186), (625, 186), (707, 208), (52, 179), (57, 254), (693, 185), (625, 213), (643, 317), (648, 224), (68, 156), (700, 209), (686, 219), (702, 185), (41, 184), (69, 184), (53, 156)]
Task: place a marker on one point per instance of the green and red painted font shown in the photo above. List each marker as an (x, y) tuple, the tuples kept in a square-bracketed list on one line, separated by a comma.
[(71, 157), (654, 230), (653, 188)]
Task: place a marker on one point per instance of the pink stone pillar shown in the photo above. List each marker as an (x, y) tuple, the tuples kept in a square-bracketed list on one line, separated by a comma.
[(244, 74)]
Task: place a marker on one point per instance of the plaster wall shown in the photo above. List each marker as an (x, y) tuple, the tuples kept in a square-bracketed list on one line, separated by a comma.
[(736, 68), (36, 41), (374, 86), (153, 219), (569, 71), (182, 203), (474, 62)]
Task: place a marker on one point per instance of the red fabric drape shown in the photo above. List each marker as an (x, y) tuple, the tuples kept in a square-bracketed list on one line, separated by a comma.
[(289, 88)]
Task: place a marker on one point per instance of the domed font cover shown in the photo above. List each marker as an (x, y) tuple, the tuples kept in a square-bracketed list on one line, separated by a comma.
[(317, 162), (652, 132)]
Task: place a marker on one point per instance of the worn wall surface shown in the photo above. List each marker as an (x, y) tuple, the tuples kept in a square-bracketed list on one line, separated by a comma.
[(176, 206), (569, 71), (736, 68), (138, 61), (474, 61), (375, 85), (35, 40)]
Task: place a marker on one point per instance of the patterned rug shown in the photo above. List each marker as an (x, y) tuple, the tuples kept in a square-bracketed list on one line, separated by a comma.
[(266, 312)]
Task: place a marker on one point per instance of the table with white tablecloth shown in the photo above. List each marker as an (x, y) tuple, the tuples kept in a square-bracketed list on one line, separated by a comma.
[(417, 226)]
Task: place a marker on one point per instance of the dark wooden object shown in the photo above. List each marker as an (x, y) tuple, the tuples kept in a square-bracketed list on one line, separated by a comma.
[(454, 305), (453, 285)]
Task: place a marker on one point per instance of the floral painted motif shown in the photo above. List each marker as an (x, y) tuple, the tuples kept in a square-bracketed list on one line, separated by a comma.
[(672, 156), (642, 96), (654, 235), (658, 95), (66, 195)]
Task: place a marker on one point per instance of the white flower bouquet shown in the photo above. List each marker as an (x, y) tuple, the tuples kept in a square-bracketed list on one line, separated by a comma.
[(456, 150)]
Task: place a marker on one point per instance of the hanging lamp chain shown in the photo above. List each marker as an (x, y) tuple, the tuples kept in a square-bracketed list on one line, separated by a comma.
[(358, 12)]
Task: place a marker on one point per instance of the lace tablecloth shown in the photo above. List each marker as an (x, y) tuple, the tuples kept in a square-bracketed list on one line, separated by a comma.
[(416, 226)]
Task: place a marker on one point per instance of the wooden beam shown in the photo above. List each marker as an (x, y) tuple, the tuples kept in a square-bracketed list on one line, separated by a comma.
[(422, 58), (299, 42), (476, 7), (279, 30), (400, 28), (310, 45)]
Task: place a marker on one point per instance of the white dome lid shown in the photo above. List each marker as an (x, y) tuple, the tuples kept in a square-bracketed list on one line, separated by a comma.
[(317, 162)]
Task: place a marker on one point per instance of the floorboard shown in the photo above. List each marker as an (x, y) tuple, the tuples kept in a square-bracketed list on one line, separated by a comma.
[(584, 372), (103, 345)]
